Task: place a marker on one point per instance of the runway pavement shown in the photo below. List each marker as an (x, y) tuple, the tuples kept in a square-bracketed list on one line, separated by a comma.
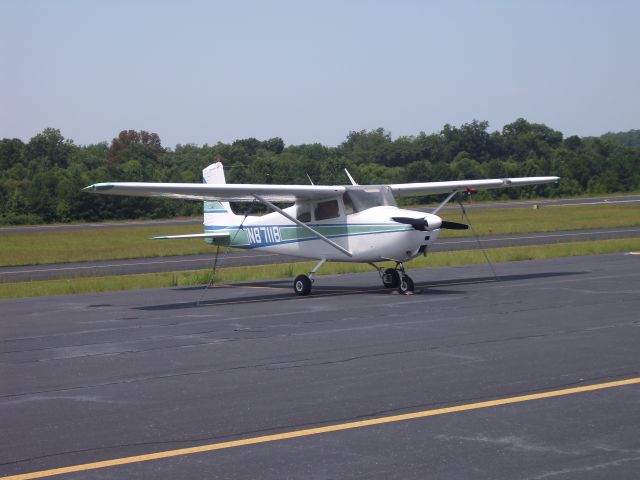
[(253, 257), (252, 382)]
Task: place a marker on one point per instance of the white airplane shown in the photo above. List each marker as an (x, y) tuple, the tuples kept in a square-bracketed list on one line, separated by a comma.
[(341, 223)]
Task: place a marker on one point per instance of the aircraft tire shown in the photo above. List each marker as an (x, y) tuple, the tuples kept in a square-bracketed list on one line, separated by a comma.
[(391, 278), (302, 285), (406, 285)]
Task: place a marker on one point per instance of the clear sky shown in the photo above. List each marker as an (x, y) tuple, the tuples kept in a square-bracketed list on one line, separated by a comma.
[(311, 71)]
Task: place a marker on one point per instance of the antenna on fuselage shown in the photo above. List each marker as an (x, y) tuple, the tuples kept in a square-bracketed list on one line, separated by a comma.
[(353, 182), (310, 179)]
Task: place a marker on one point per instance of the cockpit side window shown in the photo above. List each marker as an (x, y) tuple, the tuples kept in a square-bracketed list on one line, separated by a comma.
[(363, 198), (348, 204)]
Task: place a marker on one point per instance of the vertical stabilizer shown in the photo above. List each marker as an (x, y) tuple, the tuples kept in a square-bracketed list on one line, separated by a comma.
[(217, 214)]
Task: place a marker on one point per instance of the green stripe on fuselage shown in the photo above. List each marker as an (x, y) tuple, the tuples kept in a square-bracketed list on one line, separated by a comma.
[(247, 236)]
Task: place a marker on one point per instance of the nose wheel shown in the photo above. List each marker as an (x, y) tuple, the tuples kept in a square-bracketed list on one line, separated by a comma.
[(396, 278), (406, 285)]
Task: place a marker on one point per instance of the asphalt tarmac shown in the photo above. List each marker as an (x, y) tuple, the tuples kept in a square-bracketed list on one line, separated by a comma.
[(229, 383), (253, 257)]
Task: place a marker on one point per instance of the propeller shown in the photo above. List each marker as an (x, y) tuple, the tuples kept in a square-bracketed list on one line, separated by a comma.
[(454, 225), (422, 224), (417, 223)]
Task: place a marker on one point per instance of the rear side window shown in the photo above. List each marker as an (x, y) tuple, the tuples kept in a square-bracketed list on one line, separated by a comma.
[(304, 217), (326, 210)]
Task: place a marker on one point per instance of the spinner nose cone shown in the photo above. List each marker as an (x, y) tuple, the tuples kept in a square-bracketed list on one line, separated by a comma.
[(428, 223), (433, 221)]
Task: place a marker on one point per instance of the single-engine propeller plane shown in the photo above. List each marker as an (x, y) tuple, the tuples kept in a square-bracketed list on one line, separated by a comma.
[(341, 223)]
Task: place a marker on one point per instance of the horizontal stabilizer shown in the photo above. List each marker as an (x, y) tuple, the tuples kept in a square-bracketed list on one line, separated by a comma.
[(195, 235)]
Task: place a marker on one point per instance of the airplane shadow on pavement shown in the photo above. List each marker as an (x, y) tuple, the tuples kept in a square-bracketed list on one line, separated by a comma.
[(280, 290)]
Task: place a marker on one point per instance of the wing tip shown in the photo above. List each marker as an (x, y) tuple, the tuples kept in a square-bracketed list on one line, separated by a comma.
[(98, 187)]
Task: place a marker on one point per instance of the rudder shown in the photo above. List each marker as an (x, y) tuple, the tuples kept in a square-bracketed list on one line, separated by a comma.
[(217, 213)]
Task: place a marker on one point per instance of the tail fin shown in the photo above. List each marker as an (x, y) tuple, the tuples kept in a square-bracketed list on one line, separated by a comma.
[(217, 213)]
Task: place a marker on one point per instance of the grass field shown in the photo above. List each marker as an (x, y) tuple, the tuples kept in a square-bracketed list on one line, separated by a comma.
[(496, 221), (264, 272), (120, 243), (100, 244)]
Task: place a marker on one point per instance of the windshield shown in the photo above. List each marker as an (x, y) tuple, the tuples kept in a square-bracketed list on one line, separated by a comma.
[(357, 198)]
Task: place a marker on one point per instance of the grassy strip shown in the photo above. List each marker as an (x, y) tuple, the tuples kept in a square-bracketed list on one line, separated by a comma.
[(100, 244), (495, 221), (120, 243), (538, 200), (288, 270)]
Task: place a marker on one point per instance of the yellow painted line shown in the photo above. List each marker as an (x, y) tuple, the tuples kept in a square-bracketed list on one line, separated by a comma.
[(319, 430)]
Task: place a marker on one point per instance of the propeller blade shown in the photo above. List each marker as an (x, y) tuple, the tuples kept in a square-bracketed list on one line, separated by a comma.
[(454, 225), (417, 223)]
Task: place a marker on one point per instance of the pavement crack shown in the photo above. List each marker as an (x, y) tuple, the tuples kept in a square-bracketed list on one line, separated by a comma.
[(586, 468), (149, 378), (349, 359), (511, 442)]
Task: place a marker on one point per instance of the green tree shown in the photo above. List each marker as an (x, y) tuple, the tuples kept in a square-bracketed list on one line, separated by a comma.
[(11, 151), (368, 147), (42, 179), (50, 148), (130, 144)]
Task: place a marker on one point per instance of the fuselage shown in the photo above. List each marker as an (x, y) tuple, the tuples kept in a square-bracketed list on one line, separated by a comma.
[(369, 235)]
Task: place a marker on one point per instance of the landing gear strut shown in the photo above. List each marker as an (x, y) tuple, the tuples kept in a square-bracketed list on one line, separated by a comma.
[(302, 284), (396, 278)]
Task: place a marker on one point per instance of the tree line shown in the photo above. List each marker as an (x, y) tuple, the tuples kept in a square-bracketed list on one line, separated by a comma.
[(41, 180)]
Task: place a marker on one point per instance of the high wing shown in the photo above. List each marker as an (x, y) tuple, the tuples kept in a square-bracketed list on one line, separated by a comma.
[(291, 193), (218, 192), (428, 188)]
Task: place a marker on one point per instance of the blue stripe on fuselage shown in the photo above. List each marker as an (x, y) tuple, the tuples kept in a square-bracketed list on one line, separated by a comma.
[(304, 239)]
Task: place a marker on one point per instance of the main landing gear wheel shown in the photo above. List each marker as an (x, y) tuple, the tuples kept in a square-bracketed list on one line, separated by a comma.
[(391, 278), (406, 285), (302, 285)]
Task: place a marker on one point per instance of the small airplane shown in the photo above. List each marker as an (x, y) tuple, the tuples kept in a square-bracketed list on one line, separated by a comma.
[(340, 223)]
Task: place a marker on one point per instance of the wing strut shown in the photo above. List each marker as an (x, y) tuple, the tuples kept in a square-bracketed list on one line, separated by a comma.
[(446, 200), (306, 227)]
